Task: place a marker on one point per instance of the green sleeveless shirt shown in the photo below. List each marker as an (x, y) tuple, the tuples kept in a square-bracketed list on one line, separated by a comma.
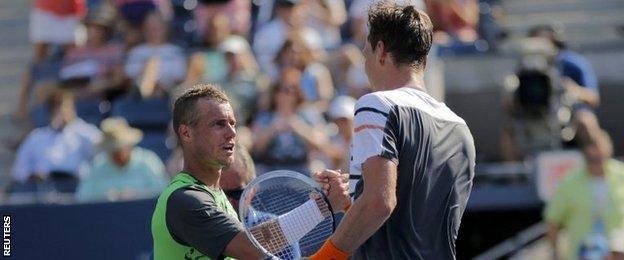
[(165, 246)]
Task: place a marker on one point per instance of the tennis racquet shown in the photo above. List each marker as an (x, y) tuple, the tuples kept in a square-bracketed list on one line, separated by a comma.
[(286, 215)]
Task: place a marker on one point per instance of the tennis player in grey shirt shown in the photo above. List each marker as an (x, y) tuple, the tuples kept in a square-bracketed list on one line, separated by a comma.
[(413, 159)]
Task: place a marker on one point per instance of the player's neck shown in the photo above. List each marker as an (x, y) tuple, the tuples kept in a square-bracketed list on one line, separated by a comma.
[(205, 173), (402, 77)]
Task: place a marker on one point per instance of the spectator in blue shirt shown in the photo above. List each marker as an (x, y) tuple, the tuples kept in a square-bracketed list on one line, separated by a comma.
[(122, 171), (58, 149)]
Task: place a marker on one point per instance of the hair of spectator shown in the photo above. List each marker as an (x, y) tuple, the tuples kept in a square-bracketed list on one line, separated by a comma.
[(57, 98), (554, 34), (184, 107), (109, 31), (285, 3), (159, 17), (297, 42), (242, 156), (289, 76), (406, 32), (101, 17), (217, 28)]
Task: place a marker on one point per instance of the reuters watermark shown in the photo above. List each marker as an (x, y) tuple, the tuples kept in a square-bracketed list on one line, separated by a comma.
[(6, 235)]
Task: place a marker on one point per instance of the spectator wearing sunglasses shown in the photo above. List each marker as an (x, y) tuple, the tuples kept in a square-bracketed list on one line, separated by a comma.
[(235, 177), (233, 181)]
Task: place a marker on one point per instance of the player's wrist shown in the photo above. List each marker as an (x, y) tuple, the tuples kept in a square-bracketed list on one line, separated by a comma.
[(330, 251), (346, 208)]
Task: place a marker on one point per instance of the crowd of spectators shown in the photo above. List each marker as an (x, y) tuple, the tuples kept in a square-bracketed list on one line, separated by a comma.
[(103, 74), (292, 69)]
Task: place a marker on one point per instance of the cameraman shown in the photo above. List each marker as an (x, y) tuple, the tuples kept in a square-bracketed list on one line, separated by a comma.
[(532, 100), (551, 78), (578, 78)]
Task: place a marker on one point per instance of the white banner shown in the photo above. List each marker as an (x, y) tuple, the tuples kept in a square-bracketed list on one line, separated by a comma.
[(552, 167)]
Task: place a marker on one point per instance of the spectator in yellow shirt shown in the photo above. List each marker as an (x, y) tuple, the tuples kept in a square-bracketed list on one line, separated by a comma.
[(589, 204)]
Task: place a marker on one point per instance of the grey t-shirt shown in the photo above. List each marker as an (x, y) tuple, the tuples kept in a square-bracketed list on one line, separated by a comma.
[(202, 220), (435, 154)]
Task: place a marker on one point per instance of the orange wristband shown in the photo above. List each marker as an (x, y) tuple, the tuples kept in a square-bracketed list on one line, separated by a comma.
[(329, 251)]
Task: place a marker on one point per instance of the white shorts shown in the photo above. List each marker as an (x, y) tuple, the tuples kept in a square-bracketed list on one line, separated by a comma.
[(49, 28)]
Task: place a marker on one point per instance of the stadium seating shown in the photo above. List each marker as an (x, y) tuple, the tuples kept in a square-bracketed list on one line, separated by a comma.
[(588, 24), (146, 114), (157, 142), (90, 111), (152, 116)]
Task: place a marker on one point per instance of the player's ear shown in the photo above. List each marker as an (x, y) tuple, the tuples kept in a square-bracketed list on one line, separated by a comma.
[(382, 53), (185, 132)]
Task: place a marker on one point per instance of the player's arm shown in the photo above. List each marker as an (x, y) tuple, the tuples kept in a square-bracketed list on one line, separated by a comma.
[(241, 248), (375, 153), (276, 234), (368, 212), (194, 219)]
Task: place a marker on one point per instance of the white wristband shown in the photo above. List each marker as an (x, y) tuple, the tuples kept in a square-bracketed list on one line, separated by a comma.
[(296, 223)]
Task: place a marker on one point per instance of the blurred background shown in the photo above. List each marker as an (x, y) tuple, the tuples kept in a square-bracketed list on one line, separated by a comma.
[(86, 88)]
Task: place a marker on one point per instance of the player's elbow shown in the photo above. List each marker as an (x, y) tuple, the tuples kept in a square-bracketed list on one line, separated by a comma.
[(389, 205), (383, 206)]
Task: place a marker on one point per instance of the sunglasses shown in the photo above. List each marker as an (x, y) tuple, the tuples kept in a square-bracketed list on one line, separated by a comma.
[(234, 194)]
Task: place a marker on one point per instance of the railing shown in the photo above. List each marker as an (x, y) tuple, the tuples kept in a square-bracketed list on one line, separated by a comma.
[(515, 243)]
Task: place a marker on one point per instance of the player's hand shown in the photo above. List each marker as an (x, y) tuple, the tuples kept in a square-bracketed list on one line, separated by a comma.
[(323, 177), (339, 194), (270, 236), (335, 186)]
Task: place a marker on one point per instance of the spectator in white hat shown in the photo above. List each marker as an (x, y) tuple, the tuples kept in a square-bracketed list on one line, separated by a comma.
[(341, 113), (243, 83), (122, 170)]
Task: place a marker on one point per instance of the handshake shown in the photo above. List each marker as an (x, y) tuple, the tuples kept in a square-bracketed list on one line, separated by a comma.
[(335, 186)]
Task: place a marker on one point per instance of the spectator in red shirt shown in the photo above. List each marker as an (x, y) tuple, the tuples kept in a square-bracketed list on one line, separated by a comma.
[(52, 22), (96, 67)]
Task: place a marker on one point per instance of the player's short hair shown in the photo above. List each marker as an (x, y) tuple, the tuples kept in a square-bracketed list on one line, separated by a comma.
[(406, 32), (184, 107)]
